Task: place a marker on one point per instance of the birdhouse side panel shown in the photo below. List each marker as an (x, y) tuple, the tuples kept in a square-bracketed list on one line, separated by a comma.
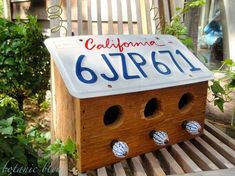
[(131, 118)]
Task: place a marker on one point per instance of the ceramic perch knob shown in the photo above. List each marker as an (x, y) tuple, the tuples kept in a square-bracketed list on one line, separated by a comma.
[(192, 127), (120, 149), (159, 137)]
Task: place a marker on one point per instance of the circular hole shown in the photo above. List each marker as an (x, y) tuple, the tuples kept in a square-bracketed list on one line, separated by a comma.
[(185, 101), (112, 115), (152, 108)]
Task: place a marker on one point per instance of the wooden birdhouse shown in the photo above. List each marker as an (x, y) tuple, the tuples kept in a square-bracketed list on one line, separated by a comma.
[(132, 94)]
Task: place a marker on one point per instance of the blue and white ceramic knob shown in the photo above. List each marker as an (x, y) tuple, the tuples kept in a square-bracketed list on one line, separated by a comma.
[(192, 127), (120, 149), (159, 137)]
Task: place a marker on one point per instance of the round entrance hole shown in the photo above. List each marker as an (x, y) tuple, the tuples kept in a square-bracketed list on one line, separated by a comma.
[(185, 101), (113, 115), (152, 108)]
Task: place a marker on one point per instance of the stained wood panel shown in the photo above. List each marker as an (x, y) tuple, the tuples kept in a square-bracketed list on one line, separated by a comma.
[(94, 137), (170, 166)]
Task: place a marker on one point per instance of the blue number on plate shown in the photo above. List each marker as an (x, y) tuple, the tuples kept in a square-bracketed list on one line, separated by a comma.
[(138, 64), (193, 68), (173, 59), (80, 69), (124, 67), (157, 64), (115, 75)]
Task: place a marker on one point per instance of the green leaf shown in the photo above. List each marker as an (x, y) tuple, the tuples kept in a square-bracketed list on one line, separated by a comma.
[(229, 62), (3, 123), (217, 88), (19, 154), (6, 123), (219, 103), (9, 61), (231, 85), (7, 130), (5, 147), (9, 121), (20, 29), (178, 9), (56, 148), (70, 146)]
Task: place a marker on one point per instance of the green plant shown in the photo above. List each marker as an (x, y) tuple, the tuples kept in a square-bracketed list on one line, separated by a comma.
[(24, 60), (1, 9), (45, 105), (222, 88), (15, 150), (59, 148), (176, 26), (22, 147)]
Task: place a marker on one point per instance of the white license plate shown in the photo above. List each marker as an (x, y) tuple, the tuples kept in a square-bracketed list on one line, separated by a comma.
[(93, 66)]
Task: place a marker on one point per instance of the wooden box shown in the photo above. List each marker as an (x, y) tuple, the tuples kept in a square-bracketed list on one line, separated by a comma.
[(149, 95)]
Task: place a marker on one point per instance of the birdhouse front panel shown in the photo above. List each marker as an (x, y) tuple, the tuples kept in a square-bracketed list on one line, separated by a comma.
[(132, 94)]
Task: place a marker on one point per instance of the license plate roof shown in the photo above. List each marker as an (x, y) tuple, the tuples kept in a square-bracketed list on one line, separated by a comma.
[(93, 66)]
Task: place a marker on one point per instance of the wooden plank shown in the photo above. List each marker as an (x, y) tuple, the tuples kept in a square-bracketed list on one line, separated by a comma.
[(63, 171), (176, 4), (161, 14), (183, 159), (7, 9), (220, 135), (173, 166), (129, 15), (228, 25), (211, 13), (54, 72), (138, 14), (99, 20), (137, 167), (223, 149), (173, 6), (79, 17), (212, 154), (69, 17), (148, 19), (166, 12), (54, 22), (110, 17), (102, 172), (119, 14), (198, 157), (118, 169), (153, 165), (18, 1), (156, 16), (89, 18), (143, 16), (221, 172)]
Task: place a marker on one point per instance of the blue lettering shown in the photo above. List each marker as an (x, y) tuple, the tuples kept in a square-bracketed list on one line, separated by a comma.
[(80, 69), (115, 75), (124, 66), (138, 65), (173, 59), (193, 68), (157, 64)]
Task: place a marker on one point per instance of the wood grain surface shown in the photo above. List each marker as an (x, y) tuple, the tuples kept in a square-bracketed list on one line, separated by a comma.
[(94, 137)]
